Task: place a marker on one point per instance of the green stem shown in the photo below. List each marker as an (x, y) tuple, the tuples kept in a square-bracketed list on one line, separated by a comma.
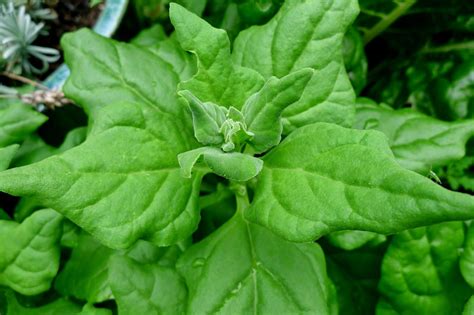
[(387, 21), (448, 48), (221, 194), (241, 196)]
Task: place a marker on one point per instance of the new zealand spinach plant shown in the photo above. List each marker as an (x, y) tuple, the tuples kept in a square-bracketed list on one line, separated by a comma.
[(210, 167)]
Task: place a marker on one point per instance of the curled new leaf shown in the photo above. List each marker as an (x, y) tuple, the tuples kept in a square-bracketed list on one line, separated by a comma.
[(233, 166), (262, 111), (207, 119)]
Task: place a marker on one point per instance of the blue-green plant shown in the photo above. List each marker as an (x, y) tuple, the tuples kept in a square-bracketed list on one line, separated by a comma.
[(17, 35)]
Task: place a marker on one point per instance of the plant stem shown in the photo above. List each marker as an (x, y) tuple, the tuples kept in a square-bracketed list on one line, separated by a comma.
[(241, 196), (9, 96), (23, 80), (221, 194), (448, 48), (387, 21)]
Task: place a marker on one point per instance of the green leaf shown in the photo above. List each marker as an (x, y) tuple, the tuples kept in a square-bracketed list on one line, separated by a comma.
[(305, 34), (147, 253), (207, 119), (466, 262), (93, 3), (85, 275), (233, 166), (243, 268), (58, 307), (4, 215), (125, 169), (150, 37), (34, 149), (89, 309), (355, 274), (29, 252), (17, 121), (6, 155), (70, 237), (345, 179), (218, 80), (123, 183), (262, 111), (120, 73), (418, 142), (461, 174), (355, 60), (146, 288), (353, 295), (443, 88), (195, 6), (420, 273), (350, 240), (89, 272), (469, 307)]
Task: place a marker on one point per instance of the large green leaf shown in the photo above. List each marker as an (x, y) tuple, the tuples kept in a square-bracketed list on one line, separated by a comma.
[(419, 142), (243, 268), (325, 178), (146, 288), (469, 307), (355, 275), (420, 273), (60, 306), (467, 257), (118, 72), (218, 80), (92, 268), (355, 60), (123, 183), (85, 275), (29, 252), (460, 174), (350, 240), (305, 34), (17, 121), (353, 296), (35, 149), (6, 155)]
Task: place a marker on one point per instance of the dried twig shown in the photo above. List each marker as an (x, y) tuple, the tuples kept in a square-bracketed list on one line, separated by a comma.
[(48, 97), (22, 79)]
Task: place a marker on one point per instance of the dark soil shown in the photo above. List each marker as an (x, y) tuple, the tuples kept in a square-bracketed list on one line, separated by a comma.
[(72, 15)]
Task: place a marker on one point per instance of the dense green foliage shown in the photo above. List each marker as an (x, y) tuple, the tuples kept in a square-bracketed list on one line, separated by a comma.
[(235, 169)]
